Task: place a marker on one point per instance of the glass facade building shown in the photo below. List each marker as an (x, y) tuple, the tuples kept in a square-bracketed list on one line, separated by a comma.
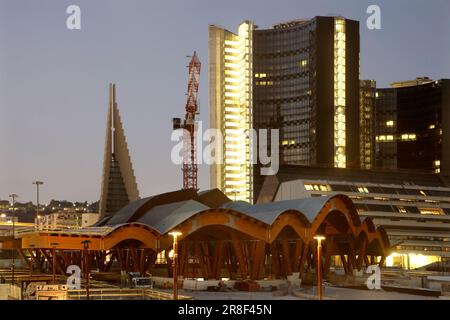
[(366, 123), (303, 81), (411, 131), (231, 76)]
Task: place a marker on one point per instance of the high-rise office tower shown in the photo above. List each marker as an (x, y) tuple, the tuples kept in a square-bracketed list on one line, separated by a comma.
[(412, 120), (367, 94), (231, 78), (300, 77), (119, 185)]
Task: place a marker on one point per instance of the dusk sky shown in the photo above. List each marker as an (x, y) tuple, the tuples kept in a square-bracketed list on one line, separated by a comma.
[(54, 81)]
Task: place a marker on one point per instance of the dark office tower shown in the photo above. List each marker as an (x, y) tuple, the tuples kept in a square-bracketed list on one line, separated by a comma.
[(301, 77), (413, 126), (386, 129), (118, 181), (366, 123)]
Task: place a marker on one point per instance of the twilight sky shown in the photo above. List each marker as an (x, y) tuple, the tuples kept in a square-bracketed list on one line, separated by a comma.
[(53, 81)]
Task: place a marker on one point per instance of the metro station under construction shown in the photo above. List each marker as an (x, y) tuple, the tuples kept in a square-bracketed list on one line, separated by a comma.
[(218, 238)]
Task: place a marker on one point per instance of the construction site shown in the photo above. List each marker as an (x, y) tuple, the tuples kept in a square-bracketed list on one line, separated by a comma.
[(230, 249), (191, 244)]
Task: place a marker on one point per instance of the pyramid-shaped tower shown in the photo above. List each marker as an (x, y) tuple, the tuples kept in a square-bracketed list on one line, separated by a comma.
[(119, 186)]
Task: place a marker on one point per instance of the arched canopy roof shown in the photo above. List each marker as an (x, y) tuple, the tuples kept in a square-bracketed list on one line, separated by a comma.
[(309, 208), (136, 210), (162, 215), (166, 211), (187, 211), (165, 217)]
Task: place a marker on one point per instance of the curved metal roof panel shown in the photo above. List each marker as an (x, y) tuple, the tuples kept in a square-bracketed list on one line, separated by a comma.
[(165, 217), (124, 214), (269, 212)]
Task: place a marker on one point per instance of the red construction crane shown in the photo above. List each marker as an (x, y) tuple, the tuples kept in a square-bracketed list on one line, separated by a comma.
[(189, 125)]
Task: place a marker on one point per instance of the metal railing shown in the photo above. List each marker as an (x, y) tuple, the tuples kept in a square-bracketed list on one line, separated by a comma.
[(59, 230), (122, 294)]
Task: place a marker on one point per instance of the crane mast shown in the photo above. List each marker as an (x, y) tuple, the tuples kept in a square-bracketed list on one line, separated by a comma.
[(189, 125)]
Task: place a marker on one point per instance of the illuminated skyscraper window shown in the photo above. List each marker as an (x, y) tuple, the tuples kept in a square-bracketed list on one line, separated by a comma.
[(339, 94), (232, 111)]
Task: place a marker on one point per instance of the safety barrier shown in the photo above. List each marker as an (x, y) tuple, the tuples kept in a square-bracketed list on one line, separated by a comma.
[(122, 294)]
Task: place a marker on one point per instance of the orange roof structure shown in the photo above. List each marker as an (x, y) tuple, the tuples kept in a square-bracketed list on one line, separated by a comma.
[(220, 236)]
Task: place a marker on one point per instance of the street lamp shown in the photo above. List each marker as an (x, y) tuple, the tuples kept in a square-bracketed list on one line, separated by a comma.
[(175, 235), (319, 239), (13, 196), (86, 264), (37, 183)]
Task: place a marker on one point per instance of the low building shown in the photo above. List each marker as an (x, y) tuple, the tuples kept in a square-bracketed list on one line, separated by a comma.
[(413, 208), (88, 219), (67, 219), (61, 219)]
